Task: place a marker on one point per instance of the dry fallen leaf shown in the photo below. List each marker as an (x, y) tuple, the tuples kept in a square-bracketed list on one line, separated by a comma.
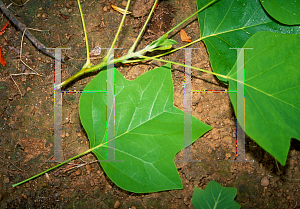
[(2, 60), (122, 11), (184, 37)]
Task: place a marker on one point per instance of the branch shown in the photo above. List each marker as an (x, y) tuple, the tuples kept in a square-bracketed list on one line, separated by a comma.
[(22, 28)]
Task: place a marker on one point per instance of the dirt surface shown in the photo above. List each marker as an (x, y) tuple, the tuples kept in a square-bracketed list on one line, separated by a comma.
[(27, 130)]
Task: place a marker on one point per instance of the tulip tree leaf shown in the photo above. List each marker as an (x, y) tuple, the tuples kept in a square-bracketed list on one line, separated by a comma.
[(284, 11), (215, 196), (229, 24), (149, 130), (272, 86)]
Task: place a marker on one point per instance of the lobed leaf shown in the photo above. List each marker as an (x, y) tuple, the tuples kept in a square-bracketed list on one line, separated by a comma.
[(229, 24), (272, 86), (215, 196), (149, 130)]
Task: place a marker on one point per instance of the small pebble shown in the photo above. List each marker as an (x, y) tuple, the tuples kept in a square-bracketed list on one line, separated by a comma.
[(41, 8), (105, 9), (124, 3), (63, 135), (117, 204), (133, 207), (88, 168), (265, 182), (228, 155), (39, 58), (70, 10), (70, 3), (77, 172), (288, 197), (67, 5), (28, 89), (79, 134), (67, 134), (43, 15), (6, 180), (24, 196)]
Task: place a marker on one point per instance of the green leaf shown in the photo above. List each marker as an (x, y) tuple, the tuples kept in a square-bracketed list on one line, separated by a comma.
[(159, 40), (272, 86), (167, 44), (215, 196), (149, 130), (284, 11), (229, 24)]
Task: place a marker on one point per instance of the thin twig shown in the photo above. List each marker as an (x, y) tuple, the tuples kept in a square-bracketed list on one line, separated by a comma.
[(19, 5), (283, 175), (25, 74), (21, 53), (12, 164), (16, 85), (75, 166)]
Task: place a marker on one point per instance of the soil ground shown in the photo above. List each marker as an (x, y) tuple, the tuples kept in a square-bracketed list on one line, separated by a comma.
[(27, 130)]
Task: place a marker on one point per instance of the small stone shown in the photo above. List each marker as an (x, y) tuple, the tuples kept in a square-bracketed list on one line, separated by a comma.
[(70, 10), (265, 182), (6, 180), (67, 5), (67, 134), (228, 155), (43, 15), (79, 134), (70, 3), (38, 15), (288, 197), (48, 61), (63, 135), (39, 58), (41, 8), (78, 172), (133, 207), (24, 196), (28, 89), (117, 204), (56, 195), (124, 3), (88, 168), (105, 9)]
